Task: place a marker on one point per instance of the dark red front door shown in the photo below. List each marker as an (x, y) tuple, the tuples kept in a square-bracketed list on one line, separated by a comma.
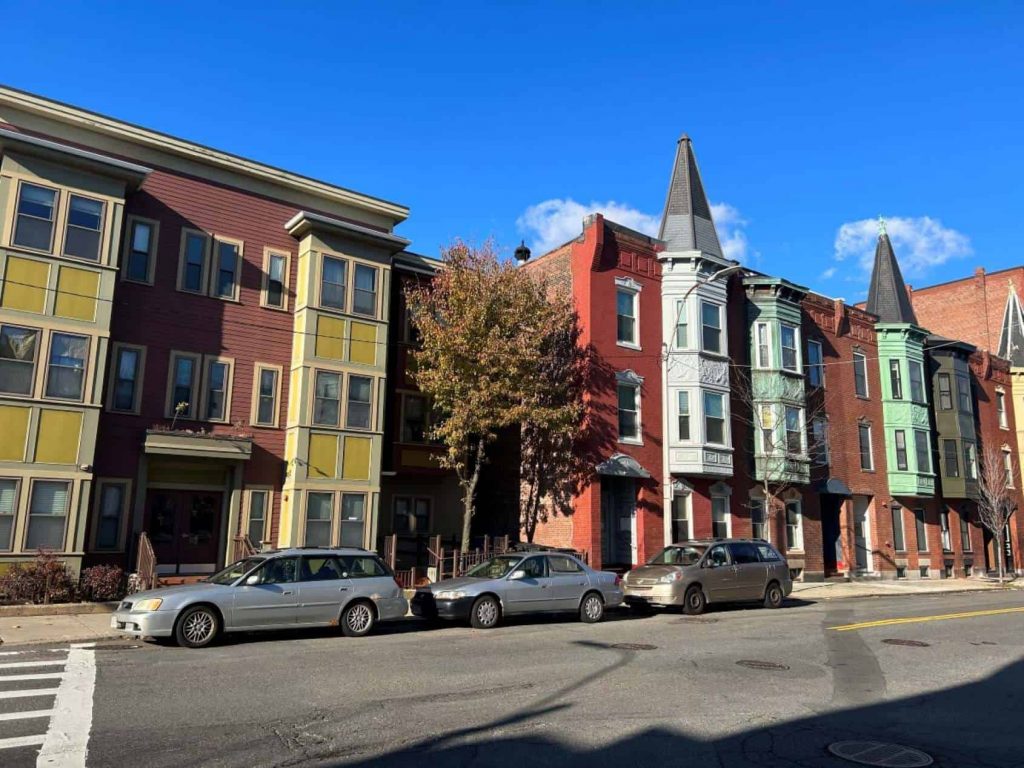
[(184, 528)]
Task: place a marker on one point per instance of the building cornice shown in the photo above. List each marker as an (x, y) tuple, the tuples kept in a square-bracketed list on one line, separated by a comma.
[(304, 222)]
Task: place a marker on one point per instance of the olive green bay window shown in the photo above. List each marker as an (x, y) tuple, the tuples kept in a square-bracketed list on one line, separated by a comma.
[(333, 274), (65, 376)]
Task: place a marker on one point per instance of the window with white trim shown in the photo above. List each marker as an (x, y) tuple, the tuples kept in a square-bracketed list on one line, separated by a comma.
[(794, 525), (970, 461), (682, 326), (333, 287), (860, 374), (714, 418), (900, 436), (626, 311), (764, 349), (867, 461), (721, 525), (83, 231), (681, 517), (895, 380), (327, 399), (947, 538), (357, 407), (1008, 467), (794, 430), (629, 411), (790, 344), (758, 520), (1001, 409), (8, 509), (683, 404), (48, 515), (711, 327), (65, 375)]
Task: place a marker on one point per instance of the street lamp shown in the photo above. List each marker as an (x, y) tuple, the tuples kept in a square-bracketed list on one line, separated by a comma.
[(724, 271)]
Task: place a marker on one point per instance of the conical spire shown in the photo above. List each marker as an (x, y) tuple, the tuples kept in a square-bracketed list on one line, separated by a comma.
[(887, 296), (686, 224), (1011, 338)]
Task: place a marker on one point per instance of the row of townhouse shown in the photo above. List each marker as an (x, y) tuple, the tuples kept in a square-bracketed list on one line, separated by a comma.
[(196, 346), (736, 403)]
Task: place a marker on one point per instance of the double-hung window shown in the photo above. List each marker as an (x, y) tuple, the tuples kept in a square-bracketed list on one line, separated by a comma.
[(758, 520), (319, 519), (721, 525), (917, 382), (259, 505), (1001, 409), (860, 374), (33, 227), (714, 418), (963, 389), (684, 414), (794, 430), (195, 248), (113, 498), (140, 250), (353, 516), (625, 316), (764, 349), (84, 228), (711, 327), (357, 409), (898, 541), (794, 529), (327, 399), (921, 531), (184, 383), (818, 448), (275, 280), (126, 377), (951, 458), (945, 392), (8, 508), (789, 344), (18, 350), (48, 515), (267, 380), (682, 326), (895, 379), (681, 517), (923, 451), (228, 265), (629, 411), (65, 376), (815, 364), (1008, 468), (364, 294), (412, 514), (901, 450), (333, 275), (947, 539), (415, 415), (970, 461), (965, 530), (864, 435), (218, 384)]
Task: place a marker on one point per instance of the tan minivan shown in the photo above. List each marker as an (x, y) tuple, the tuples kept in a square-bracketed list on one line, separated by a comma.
[(694, 574)]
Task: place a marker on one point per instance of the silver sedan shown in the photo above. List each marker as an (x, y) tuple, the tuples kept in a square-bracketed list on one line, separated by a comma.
[(291, 588), (521, 583)]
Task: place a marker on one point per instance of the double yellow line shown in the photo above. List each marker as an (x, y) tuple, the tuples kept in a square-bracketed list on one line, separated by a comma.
[(918, 619)]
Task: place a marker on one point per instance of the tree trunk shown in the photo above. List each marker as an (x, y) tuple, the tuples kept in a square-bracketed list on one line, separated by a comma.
[(469, 496)]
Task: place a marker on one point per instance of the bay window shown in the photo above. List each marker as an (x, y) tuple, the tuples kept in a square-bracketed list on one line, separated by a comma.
[(65, 376)]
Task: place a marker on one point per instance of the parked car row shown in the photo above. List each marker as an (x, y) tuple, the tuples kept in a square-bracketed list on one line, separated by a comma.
[(354, 589)]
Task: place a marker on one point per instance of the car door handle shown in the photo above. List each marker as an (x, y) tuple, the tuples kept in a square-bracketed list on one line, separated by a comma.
[(343, 589), (288, 592)]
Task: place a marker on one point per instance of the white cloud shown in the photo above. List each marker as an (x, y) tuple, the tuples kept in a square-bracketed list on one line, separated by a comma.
[(554, 222), (920, 243), (829, 273)]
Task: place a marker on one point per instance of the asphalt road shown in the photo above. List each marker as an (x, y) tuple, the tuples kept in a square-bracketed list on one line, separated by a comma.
[(546, 692)]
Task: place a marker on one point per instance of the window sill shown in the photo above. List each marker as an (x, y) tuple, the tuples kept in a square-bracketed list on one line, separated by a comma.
[(133, 281), (628, 345), (630, 441), (274, 309)]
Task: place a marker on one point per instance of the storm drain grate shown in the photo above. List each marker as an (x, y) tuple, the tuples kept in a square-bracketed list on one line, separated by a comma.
[(634, 646), (880, 753), (768, 665), (907, 643)]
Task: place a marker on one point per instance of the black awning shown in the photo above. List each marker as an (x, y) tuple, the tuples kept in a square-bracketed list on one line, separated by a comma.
[(834, 486), (621, 465)]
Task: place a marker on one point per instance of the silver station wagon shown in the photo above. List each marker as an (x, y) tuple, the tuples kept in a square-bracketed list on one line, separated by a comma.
[(291, 588), (521, 583), (692, 574)]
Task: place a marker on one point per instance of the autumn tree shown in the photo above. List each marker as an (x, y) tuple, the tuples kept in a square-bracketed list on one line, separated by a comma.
[(484, 326), (553, 438), (996, 501)]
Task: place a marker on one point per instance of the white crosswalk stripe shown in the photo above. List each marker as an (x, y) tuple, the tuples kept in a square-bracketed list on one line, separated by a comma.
[(46, 726)]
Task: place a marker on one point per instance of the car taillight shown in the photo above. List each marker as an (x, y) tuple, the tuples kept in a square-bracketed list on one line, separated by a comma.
[(618, 579)]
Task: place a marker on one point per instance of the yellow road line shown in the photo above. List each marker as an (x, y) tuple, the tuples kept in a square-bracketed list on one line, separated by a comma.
[(916, 619)]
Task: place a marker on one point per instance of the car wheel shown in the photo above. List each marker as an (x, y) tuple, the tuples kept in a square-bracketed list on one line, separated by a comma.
[(197, 627), (773, 596), (357, 620), (694, 603), (485, 613), (592, 608)]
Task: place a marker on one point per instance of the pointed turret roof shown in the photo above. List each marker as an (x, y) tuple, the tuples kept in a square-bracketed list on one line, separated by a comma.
[(887, 296), (1011, 338), (686, 224)]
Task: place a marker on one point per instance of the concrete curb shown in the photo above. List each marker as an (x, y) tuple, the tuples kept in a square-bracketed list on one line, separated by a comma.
[(801, 594), (56, 609)]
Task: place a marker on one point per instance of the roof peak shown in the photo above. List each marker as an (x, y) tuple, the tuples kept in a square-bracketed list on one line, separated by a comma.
[(887, 294), (686, 224)]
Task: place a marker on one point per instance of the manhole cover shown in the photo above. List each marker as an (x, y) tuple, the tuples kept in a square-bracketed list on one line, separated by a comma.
[(880, 753), (634, 646), (755, 664), (908, 643)]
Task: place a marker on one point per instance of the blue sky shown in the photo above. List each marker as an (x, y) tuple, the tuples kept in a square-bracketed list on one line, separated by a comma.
[(513, 120)]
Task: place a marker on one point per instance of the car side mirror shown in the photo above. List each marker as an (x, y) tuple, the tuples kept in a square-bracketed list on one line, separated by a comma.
[(252, 580), (517, 575)]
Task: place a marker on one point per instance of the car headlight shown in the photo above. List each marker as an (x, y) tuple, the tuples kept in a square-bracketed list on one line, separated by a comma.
[(450, 594), (671, 578), (148, 605)]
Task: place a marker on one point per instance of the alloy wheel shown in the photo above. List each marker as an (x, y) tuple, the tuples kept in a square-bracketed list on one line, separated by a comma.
[(359, 618), (199, 627), (592, 607)]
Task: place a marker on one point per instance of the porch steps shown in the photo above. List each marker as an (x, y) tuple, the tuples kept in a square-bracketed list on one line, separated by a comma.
[(178, 580)]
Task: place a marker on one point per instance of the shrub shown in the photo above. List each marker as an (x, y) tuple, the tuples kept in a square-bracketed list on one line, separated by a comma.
[(45, 580), (102, 582)]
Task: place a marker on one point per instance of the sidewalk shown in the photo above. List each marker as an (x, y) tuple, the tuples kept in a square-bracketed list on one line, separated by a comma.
[(832, 590), (83, 627)]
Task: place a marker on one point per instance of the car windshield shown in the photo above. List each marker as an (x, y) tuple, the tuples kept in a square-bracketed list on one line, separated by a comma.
[(677, 556), (235, 571), (495, 568)]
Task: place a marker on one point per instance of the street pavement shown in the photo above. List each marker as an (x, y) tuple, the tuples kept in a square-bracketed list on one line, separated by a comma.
[(737, 687)]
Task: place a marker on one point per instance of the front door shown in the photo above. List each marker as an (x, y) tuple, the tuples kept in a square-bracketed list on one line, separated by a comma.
[(861, 533), (618, 517), (832, 549), (184, 529)]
